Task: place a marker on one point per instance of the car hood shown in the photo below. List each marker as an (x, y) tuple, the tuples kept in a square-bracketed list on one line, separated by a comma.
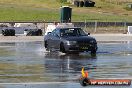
[(79, 38)]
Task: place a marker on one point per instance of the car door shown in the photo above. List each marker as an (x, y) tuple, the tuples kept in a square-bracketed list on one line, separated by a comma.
[(50, 39), (57, 39), (54, 39)]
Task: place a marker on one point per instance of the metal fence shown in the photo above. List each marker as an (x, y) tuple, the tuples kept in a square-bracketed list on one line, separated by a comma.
[(101, 27), (104, 27), (92, 27)]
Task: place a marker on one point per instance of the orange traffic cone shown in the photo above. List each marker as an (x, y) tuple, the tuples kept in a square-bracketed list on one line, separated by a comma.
[(84, 74)]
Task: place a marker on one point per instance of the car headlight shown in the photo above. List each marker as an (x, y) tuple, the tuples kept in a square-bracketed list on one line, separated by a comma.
[(71, 42)]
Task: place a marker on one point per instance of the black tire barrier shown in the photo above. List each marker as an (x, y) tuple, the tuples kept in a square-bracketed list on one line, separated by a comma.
[(8, 32), (31, 33), (91, 4), (81, 3), (12, 32), (76, 3), (84, 3), (84, 81), (34, 32), (3, 32), (39, 32)]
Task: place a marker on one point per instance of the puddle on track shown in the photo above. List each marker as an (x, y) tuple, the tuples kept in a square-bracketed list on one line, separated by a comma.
[(29, 62)]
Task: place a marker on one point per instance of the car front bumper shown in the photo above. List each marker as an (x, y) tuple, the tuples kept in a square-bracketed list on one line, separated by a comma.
[(81, 48)]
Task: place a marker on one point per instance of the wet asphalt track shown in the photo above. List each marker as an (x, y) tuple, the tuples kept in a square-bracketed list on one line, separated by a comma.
[(24, 62)]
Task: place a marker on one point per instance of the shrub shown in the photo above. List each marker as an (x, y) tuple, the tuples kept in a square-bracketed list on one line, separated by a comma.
[(61, 1), (103, 0)]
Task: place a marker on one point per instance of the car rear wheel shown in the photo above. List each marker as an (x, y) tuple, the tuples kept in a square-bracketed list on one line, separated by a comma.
[(62, 48)]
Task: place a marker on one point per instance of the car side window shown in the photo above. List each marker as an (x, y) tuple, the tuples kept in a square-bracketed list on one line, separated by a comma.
[(58, 33), (55, 32)]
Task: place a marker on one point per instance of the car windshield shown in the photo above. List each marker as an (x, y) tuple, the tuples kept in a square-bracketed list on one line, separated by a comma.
[(72, 32)]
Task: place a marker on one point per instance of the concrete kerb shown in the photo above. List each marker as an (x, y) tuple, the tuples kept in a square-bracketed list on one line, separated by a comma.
[(112, 37), (98, 37)]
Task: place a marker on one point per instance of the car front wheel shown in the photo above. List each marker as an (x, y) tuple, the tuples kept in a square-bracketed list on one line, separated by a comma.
[(62, 48), (46, 46), (93, 52)]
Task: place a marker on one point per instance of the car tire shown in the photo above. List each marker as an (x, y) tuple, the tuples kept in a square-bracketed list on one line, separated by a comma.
[(46, 46), (62, 48), (93, 52)]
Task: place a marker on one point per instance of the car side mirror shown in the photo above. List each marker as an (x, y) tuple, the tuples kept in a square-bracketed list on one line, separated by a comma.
[(88, 33), (49, 33)]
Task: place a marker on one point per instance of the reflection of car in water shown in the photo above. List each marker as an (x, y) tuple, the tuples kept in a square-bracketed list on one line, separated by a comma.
[(68, 66), (69, 40), (68, 61)]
